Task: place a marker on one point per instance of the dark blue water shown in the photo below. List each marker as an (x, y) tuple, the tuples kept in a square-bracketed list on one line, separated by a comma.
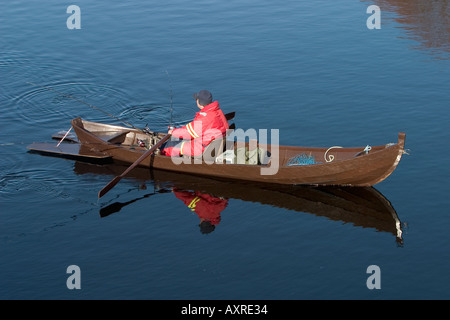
[(311, 69)]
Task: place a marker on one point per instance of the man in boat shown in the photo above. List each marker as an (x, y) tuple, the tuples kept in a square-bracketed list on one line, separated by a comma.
[(209, 123)]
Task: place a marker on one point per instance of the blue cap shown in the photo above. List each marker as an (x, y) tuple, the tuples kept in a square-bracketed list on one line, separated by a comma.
[(204, 97)]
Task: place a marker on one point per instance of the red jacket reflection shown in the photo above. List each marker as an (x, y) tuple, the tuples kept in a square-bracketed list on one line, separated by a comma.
[(207, 207)]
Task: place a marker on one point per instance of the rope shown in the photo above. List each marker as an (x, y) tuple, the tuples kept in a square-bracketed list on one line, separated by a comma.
[(171, 99), (331, 157)]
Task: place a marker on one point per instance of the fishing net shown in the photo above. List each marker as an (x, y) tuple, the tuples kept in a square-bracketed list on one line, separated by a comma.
[(301, 160)]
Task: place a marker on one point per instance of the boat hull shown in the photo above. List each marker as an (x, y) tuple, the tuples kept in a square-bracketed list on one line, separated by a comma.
[(347, 169)]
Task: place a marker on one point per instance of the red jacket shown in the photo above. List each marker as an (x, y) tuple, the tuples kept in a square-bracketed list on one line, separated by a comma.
[(209, 123)]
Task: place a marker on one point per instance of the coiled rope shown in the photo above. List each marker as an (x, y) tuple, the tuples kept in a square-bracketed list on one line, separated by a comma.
[(331, 157)]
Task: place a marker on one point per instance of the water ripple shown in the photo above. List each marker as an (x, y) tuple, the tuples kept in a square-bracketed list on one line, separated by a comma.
[(39, 94), (66, 100), (13, 58), (60, 92)]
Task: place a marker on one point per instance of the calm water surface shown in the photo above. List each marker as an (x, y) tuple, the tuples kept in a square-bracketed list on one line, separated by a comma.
[(311, 69)]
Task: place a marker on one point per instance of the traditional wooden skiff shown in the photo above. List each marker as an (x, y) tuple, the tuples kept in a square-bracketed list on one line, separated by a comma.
[(355, 166)]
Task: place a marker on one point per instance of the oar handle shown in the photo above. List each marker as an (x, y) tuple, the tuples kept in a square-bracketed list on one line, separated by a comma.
[(114, 181), (230, 116)]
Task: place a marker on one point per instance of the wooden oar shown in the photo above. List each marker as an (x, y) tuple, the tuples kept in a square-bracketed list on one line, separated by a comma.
[(114, 181)]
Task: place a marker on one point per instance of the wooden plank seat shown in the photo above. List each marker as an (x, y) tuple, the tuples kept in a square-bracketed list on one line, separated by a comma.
[(112, 136)]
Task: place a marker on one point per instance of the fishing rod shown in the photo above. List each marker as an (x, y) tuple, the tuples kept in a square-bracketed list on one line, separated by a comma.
[(81, 101), (171, 99)]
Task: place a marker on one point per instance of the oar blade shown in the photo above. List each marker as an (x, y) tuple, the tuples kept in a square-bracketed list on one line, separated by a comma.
[(230, 116), (109, 186)]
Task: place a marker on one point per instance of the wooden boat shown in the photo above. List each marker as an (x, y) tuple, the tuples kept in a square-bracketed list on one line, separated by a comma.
[(362, 207), (335, 166)]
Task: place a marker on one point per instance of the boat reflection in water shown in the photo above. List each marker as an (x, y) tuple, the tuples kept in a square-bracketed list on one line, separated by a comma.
[(361, 206)]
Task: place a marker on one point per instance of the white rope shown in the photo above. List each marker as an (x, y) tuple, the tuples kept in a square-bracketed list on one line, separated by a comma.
[(331, 157)]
